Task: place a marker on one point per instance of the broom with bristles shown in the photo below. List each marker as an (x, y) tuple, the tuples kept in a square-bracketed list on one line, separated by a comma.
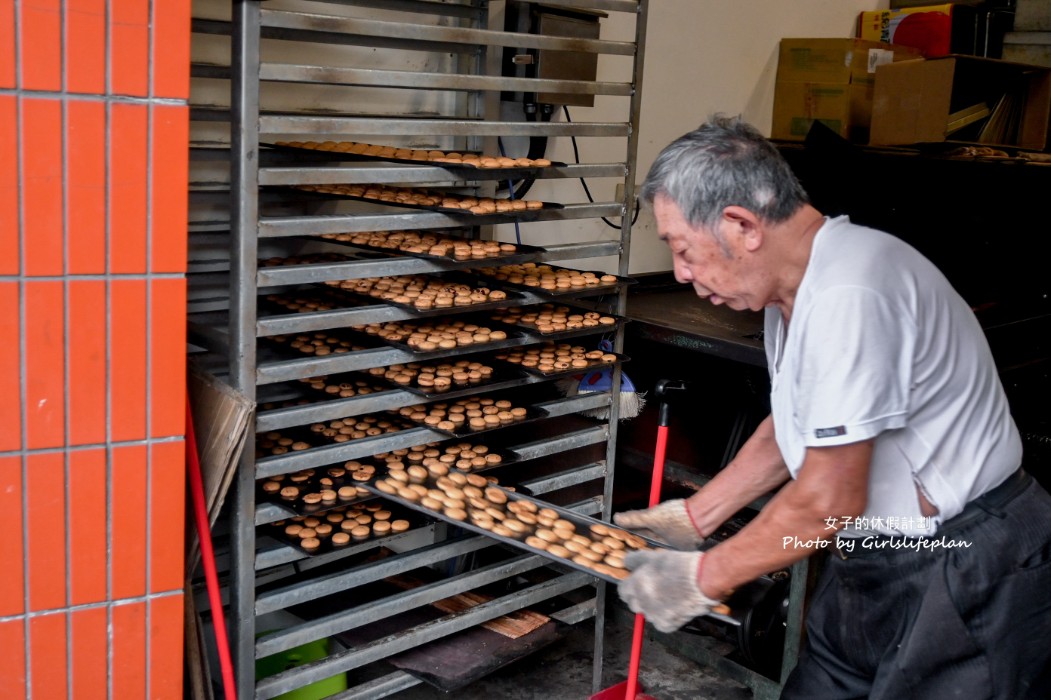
[(601, 380)]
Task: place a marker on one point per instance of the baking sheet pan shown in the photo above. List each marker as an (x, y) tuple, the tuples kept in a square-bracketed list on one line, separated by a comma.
[(532, 330), (332, 155), (581, 521), (521, 254), (415, 517), (560, 293), (591, 367), (354, 297), (504, 376), (510, 215), (512, 334), (532, 414)]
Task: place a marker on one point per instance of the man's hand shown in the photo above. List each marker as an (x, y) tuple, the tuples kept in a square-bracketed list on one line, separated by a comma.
[(664, 587), (668, 522)]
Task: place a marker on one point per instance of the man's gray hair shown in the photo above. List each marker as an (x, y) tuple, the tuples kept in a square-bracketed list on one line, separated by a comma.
[(724, 162)]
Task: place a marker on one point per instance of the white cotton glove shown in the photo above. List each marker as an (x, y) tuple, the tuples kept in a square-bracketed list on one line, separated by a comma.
[(663, 586), (668, 522)]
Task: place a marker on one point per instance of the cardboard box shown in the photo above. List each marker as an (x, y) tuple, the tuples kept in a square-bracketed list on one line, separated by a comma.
[(937, 30), (916, 100), (831, 81)]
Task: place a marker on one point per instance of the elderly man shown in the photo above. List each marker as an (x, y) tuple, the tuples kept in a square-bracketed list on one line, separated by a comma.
[(889, 436)]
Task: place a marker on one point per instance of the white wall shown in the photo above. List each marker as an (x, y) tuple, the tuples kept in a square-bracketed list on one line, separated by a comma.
[(707, 56)]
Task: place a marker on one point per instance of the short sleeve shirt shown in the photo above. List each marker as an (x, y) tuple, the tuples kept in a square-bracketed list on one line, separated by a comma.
[(881, 346)]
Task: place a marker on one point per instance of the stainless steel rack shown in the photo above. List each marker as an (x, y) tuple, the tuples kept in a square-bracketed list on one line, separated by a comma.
[(299, 73)]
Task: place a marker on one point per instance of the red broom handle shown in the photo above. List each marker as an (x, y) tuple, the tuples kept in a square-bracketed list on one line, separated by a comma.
[(204, 533), (640, 622), (658, 465)]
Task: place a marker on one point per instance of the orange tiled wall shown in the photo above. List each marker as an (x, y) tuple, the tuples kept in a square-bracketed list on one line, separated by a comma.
[(93, 169)]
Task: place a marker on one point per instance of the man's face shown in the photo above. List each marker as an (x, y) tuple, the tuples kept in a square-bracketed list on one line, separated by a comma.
[(714, 268)]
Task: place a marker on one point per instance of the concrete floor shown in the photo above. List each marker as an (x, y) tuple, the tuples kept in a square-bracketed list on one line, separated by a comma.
[(563, 670)]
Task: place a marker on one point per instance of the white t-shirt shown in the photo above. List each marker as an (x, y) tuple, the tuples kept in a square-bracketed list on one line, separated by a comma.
[(880, 345)]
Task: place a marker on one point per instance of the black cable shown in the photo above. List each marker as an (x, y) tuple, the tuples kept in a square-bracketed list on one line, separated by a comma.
[(587, 191), (537, 149)]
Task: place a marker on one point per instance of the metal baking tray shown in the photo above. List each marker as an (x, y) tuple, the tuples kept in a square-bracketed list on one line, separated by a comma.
[(294, 433), (281, 303), (376, 384), (583, 522), (532, 414), (523, 253), (575, 518), (416, 521), (592, 366), (358, 341), (352, 296), (329, 155), (562, 293), (534, 332), (510, 215), (468, 525), (299, 507), (505, 375), (507, 456), (513, 333)]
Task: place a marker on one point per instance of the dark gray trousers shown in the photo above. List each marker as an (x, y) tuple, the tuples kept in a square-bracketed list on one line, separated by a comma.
[(968, 622)]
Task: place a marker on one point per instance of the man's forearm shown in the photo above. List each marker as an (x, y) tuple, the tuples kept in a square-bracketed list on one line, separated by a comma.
[(832, 483), (757, 469)]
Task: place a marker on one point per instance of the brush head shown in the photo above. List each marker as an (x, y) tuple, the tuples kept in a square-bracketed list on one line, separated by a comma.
[(631, 401)]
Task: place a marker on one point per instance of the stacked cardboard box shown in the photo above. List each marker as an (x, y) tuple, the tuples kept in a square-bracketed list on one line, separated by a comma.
[(831, 81), (962, 98)]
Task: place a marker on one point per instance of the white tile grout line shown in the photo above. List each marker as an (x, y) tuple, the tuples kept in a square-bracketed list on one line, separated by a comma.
[(108, 189), (63, 57), (152, 25), (89, 97), (92, 446), (89, 277), (19, 158), (145, 599)]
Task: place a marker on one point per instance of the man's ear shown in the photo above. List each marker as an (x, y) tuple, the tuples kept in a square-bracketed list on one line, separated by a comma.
[(746, 225)]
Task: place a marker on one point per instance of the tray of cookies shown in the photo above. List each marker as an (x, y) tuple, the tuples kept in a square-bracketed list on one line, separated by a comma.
[(556, 320), (311, 491), (436, 336), (277, 442), (551, 281), (465, 456), (345, 526), (472, 502), (435, 246), (470, 415), (319, 343), (522, 521), (433, 200), (554, 360), (449, 378), (360, 427), (308, 259), (427, 295), (345, 385), (356, 150), (310, 299)]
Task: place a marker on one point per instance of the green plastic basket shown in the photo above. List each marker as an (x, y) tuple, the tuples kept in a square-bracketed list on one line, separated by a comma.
[(285, 660)]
